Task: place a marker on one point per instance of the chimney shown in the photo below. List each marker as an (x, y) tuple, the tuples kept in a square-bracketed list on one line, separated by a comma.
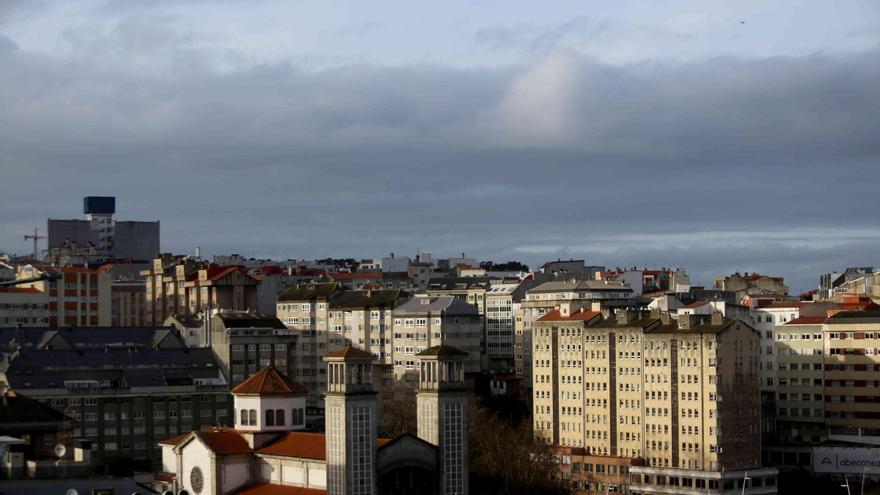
[(685, 322), (655, 312), (665, 318), (717, 318), (625, 316)]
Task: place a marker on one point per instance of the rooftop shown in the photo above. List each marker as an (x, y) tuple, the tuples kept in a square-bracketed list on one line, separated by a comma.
[(581, 315), (269, 381), (450, 305)]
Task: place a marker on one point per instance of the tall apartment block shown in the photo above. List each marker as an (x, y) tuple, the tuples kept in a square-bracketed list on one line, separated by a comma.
[(679, 399), (389, 324), (117, 239), (548, 296), (501, 306), (325, 317)]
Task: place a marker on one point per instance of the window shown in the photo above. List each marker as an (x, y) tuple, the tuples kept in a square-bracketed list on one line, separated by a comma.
[(270, 417), (279, 417), (252, 417)]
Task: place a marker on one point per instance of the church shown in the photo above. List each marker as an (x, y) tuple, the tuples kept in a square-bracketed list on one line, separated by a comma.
[(267, 452)]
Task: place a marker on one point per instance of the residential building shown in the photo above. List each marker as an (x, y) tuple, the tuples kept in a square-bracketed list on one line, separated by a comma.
[(266, 454), (373, 280), (326, 317), (582, 473), (79, 297), (645, 281), (681, 395), (123, 397), (548, 296), (799, 387), (751, 284), (428, 321), (500, 313), (25, 306), (852, 361), (118, 239), (275, 279), (181, 286), (247, 342), (128, 294), (861, 280)]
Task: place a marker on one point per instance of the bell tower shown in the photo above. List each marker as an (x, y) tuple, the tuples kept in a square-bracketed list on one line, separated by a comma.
[(442, 405), (352, 416)]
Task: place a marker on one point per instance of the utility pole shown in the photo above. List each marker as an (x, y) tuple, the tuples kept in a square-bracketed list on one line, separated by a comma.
[(35, 236)]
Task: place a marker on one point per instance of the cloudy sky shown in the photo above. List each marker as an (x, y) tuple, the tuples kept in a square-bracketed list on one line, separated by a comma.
[(714, 136)]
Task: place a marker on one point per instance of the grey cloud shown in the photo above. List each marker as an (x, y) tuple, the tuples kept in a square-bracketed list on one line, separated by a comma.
[(573, 34), (359, 160)]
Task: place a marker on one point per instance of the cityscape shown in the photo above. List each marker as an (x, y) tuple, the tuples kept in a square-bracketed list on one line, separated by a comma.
[(457, 248)]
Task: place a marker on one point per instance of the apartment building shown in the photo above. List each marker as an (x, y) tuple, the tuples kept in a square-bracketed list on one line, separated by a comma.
[(501, 306), (326, 317), (851, 348), (799, 389), (25, 306), (427, 321), (79, 297), (123, 389), (548, 296), (680, 395), (247, 342), (178, 285), (751, 284)]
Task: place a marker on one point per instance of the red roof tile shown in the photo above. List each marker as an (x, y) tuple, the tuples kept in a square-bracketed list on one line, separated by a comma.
[(269, 381), (298, 444), (224, 441), (582, 315), (174, 440), (808, 320), (303, 445), (270, 489), (695, 305), (348, 352)]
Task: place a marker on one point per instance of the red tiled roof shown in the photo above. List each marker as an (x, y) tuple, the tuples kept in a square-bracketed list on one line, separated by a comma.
[(356, 275), (697, 304), (298, 444), (347, 352), (808, 320), (164, 477), (224, 441), (270, 489), (581, 315), (174, 440), (269, 381)]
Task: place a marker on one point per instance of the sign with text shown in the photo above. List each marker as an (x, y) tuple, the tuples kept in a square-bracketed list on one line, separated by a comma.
[(846, 460)]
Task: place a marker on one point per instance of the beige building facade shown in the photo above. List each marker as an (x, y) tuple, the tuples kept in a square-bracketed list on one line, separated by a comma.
[(682, 396)]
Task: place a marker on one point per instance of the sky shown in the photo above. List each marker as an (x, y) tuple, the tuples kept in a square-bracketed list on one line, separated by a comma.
[(711, 136)]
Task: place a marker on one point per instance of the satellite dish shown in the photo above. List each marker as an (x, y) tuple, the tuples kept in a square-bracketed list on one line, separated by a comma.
[(60, 450), (71, 491)]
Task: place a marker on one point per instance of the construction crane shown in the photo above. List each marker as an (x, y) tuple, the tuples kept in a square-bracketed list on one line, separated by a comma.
[(36, 237)]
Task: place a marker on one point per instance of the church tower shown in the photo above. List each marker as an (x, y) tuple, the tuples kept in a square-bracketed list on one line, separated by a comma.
[(352, 416), (441, 405)]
